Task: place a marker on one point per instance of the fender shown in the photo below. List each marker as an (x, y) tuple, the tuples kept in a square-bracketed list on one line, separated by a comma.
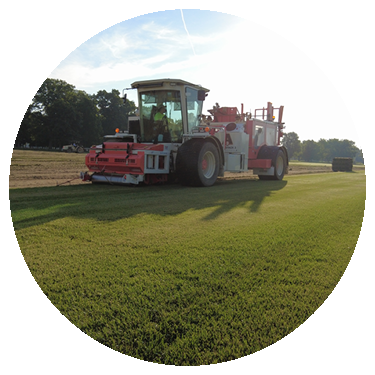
[(268, 152), (217, 143)]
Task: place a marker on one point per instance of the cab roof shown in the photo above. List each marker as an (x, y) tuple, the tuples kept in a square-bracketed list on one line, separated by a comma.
[(165, 81)]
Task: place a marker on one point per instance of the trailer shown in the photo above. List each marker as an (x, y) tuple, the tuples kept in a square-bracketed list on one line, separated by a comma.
[(172, 139)]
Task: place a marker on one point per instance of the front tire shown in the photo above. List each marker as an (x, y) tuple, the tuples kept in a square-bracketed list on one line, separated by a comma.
[(198, 163)]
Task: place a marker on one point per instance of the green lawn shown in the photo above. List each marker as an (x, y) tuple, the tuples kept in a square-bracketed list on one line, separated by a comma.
[(191, 276)]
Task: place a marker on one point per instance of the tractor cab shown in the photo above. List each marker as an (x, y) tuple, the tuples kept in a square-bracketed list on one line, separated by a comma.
[(168, 109)]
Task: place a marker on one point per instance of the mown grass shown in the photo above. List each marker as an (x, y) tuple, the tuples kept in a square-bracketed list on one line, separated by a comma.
[(191, 276)]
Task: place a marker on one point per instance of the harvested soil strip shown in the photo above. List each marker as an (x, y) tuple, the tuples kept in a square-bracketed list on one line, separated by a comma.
[(31, 168)]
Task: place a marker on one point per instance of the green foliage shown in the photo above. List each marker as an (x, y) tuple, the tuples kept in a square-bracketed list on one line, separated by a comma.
[(89, 129), (113, 112), (292, 143), (331, 148), (321, 151), (189, 276), (59, 114), (310, 151)]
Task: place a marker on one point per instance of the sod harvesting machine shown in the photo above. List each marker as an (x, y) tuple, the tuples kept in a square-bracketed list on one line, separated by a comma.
[(171, 139)]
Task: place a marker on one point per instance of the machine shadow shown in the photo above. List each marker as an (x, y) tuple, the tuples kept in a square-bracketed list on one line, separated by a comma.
[(103, 202), (251, 198)]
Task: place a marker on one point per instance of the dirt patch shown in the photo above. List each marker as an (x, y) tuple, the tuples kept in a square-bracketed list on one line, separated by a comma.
[(43, 168)]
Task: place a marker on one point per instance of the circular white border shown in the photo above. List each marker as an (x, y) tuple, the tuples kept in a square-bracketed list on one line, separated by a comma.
[(36, 338)]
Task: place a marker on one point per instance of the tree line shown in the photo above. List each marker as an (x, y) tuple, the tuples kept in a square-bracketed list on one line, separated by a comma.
[(59, 114), (322, 151)]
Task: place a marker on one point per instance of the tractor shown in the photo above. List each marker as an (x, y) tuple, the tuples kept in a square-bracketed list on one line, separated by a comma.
[(172, 140), (73, 147)]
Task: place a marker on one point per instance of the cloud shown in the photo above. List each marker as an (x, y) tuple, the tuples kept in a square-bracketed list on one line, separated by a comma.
[(116, 47), (123, 53), (88, 78)]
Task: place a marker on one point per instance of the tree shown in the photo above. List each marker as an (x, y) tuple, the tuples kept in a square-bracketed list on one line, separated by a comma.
[(53, 112), (28, 125), (89, 129), (113, 111), (324, 150), (292, 143), (309, 151), (359, 157), (348, 148), (130, 110), (332, 148), (59, 114)]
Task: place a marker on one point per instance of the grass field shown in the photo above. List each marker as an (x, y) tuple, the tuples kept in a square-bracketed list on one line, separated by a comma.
[(191, 276)]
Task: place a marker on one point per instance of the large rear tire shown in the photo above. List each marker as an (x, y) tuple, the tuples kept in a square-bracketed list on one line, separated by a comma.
[(280, 165), (198, 163)]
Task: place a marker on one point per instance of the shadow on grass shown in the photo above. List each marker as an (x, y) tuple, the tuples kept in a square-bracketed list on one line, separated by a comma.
[(35, 206)]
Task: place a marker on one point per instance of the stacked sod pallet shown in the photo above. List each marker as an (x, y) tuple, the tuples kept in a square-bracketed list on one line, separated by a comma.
[(342, 164)]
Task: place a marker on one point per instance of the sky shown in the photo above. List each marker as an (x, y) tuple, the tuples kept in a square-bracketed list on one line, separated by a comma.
[(315, 58), (239, 61)]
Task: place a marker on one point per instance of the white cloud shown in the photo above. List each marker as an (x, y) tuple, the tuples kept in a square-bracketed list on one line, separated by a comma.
[(116, 46), (120, 54), (86, 77)]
